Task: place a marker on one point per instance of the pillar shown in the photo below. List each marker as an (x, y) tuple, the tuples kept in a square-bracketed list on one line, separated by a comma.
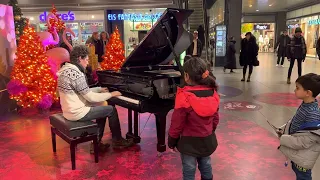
[(232, 20), (281, 24), (111, 24)]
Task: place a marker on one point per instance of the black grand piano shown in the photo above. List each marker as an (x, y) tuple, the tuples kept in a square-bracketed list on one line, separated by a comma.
[(146, 81)]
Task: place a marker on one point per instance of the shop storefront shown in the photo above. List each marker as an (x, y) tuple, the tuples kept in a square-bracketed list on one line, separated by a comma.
[(137, 27), (264, 33), (134, 24), (310, 30), (308, 19), (82, 23), (292, 25)]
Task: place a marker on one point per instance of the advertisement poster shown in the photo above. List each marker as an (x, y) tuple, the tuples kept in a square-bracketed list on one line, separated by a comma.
[(221, 34)]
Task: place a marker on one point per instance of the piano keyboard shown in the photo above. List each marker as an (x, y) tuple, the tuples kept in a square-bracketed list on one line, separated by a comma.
[(134, 101)]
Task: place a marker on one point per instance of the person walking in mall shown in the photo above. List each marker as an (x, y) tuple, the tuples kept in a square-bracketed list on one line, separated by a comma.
[(282, 44), (195, 49), (97, 43), (296, 50), (248, 54), (231, 56)]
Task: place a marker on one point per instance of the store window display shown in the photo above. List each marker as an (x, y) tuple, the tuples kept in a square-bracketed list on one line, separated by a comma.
[(82, 23), (264, 33), (311, 30), (137, 23)]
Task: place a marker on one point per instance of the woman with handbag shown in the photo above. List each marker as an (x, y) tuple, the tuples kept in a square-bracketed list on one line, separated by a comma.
[(248, 55)]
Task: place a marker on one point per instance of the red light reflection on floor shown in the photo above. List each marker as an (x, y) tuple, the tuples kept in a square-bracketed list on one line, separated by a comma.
[(246, 151)]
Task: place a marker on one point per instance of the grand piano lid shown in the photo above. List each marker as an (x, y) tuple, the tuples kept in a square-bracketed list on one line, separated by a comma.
[(154, 49)]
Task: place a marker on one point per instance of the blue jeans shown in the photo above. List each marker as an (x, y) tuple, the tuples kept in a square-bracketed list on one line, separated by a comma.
[(301, 173), (189, 167)]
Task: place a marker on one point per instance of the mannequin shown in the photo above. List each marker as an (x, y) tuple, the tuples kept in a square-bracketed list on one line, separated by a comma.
[(260, 43), (266, 43)]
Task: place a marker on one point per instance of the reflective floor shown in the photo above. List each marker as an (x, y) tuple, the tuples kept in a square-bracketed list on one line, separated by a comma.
[(247, 146)]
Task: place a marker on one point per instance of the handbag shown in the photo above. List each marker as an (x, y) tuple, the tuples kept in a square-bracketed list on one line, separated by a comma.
[(241, 60), (256, 62)]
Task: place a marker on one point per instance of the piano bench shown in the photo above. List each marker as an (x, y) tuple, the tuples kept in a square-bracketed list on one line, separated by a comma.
[(74, 132)]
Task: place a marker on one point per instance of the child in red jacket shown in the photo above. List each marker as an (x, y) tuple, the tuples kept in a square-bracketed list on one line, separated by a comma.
[(195, 119)]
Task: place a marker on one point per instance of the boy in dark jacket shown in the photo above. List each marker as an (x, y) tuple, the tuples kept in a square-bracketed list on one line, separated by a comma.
[(195, 119)]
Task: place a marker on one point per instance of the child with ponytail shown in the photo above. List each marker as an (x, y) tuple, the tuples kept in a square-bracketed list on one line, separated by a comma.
[(195, 119)]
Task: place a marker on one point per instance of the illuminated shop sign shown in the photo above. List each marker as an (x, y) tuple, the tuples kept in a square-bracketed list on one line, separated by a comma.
[(261, 27), (69, 16), (134, 17), (314, 22), (292, 26)]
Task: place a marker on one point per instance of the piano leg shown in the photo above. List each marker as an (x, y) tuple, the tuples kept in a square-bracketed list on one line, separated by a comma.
[(137, 138), (161, 131), (129, 134), (135, 135)]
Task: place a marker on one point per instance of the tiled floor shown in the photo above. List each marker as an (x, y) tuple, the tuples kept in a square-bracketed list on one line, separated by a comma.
[(247, 147)]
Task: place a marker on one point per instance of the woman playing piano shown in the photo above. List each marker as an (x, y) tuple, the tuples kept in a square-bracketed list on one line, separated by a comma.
[(81, 103), (195, 119)]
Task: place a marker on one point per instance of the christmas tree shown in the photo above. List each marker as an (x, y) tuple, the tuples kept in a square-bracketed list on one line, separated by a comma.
[(58, 25), (32, 83), (114, 57), (19, 21)]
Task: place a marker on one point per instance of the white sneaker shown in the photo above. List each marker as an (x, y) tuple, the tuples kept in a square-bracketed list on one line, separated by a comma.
[(277, 65), (282, 65)]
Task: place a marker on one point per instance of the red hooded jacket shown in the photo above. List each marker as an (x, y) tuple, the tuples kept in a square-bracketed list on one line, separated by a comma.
[(194, 121)]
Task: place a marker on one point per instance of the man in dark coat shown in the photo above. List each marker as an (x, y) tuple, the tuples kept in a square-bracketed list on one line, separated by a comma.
[(296, 50), (231, 56), (195, 49), (283, 42)]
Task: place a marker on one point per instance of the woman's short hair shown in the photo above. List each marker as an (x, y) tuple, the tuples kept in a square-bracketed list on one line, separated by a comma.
[(78, 51)]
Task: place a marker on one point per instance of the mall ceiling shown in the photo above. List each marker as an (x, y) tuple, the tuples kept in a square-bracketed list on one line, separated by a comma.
[(34, 5), (268, 6)]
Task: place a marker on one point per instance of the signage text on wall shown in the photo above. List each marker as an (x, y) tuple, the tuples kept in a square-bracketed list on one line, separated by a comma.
[(69, 16), (261, 27), (134, 17), (314, 22), (292, 26)]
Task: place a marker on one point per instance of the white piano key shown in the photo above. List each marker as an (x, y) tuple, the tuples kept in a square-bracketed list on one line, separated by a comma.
[(134, 101)]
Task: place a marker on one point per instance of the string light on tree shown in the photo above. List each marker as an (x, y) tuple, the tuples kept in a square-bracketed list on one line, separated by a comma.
[(32, 83), (114, 57)]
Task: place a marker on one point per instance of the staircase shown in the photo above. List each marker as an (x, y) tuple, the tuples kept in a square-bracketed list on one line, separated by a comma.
[(196, 18)]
